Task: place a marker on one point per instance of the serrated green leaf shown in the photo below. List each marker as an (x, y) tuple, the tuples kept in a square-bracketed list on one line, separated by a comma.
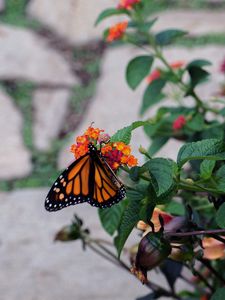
[(220, 216), (110, 217), (110, 12), (162, 172), (124, 134), (211, 149), (129, 218), (156, 144), (219, 294), (152, 94), (137, 69), (206, 168), (166, 37)]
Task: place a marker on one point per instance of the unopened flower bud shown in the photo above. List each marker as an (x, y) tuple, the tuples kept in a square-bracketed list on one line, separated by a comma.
[(152, 250), (67, 234), (189, 181)]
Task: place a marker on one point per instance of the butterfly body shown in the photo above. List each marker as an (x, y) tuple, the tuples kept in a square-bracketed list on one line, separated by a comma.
[(88, 179)]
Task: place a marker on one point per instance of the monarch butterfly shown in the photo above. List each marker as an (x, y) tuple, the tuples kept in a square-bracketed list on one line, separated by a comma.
[(88, 179)]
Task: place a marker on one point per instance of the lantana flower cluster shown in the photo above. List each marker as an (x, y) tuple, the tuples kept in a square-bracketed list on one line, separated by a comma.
[(115, 153), (127, 4), (157, 73), (117, 31)]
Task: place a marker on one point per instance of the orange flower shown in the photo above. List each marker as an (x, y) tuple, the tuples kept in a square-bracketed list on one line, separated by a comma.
[(127, 4), (116, 154), (106, 148), (82, 139), (154, 75), (126, 150), (93, 133), (177, 64), (117, 31), (132, 161), (213, 249), (79, 150), (119, 145)]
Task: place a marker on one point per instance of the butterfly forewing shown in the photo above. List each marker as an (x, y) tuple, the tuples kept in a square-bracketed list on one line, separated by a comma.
[(69, 189), (88, 179)]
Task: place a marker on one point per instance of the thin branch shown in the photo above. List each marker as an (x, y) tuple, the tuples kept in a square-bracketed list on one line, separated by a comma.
[(207, 264), (217, 237), (94, 249), (198, 232), (203, 279), (114, 259)]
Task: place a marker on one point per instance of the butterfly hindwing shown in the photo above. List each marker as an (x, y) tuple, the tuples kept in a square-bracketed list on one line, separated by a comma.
[(88, 179), (108, 190)]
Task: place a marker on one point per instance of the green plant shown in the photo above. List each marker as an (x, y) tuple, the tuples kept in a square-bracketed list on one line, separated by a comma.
[(190, 192)]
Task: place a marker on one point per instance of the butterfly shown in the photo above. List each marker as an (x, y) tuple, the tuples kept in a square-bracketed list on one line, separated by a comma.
[(88, 179)]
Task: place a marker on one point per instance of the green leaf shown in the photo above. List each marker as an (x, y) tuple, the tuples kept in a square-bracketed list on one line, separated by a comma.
[(166, 37), (211, 149), (197, 123), (146, 210), (220, 178), (206, 168), (220, 216), (199, 63), (222, 112), (175, 208), (137, 69), (110, 12), (124, 134), (129, 218), (110, 217), (197, 75), (146, 26), (162, 172), (219, 294), (157, 144), (152, 94)]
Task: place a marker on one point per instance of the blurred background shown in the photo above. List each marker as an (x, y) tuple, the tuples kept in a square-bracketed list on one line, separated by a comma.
[(57, 77)]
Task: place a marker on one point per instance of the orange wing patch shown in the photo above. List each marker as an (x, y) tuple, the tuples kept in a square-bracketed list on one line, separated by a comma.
[(104, 187)]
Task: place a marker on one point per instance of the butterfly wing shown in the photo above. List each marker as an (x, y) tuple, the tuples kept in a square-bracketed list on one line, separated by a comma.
[(72, 186), (88, 179), (108, 190)]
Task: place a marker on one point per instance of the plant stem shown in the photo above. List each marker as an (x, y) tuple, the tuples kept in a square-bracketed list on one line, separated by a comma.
[(207, 264), (94, 249), (219, 238), (202, 278), (205, 206), (189, 281), (196, 188), (114, 259), (197, 232)]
